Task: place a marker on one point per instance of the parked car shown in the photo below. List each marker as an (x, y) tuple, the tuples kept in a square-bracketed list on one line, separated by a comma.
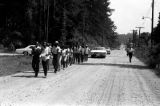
[(26, 51), (108, 50), (98, 52)]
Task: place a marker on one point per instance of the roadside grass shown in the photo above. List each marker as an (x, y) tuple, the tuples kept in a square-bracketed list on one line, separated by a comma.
[(14, 64), (6, 50), (144, 54)]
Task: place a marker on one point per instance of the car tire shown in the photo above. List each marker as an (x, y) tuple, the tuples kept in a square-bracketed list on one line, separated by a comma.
[(25, 53)]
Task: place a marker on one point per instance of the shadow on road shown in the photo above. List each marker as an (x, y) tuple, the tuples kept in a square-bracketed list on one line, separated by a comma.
[(31, 76), (39, 72), (118, 65), (27, 76)]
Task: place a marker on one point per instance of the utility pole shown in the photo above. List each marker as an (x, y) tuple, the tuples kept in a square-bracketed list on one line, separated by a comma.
[(139, 34), (152, 23)]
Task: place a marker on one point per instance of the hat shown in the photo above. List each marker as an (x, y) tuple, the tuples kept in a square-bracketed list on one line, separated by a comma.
[(56, 42)]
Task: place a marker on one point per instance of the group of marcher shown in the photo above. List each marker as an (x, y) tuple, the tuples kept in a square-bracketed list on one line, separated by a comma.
[(61, 56)]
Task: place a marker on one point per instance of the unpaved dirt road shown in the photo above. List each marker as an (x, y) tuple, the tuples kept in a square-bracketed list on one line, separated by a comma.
[(112, 81)]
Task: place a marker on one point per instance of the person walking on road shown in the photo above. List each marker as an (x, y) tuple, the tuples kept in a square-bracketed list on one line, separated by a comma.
[(45, 58), (56, 54), (64, 58), (76, 54), (79, 54), (49, 55), (130, 54), (36, 51), (82, 53), (86, 52)]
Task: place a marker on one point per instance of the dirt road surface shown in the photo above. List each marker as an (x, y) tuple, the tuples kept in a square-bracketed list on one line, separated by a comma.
[(112, 81)]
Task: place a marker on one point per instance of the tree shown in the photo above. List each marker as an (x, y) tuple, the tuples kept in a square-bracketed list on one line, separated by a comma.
[(145, 38), (156, 32), (78, 21)]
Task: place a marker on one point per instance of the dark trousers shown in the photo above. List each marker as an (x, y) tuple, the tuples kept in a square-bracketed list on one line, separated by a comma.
[(79, 58), (63, 62), (82, 58), (86, 57), (55, 62), (76, 57), (48, 64), (130, 57), (45, 66), (70, 60), (35, 66)]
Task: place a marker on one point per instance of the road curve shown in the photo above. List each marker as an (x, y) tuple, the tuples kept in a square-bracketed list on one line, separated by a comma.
[(112, 81)]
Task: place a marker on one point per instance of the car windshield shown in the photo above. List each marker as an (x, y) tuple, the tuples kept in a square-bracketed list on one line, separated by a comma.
[(31, 46), (99, 48)]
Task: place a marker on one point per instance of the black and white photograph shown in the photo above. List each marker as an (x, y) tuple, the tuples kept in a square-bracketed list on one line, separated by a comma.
[(79, 52)]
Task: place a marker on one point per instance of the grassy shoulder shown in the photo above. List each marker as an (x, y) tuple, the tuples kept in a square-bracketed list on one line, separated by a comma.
[(14, 64), (150, 57), (142, 54)]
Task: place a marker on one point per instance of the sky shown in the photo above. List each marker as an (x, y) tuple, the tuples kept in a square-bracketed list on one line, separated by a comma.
[(128, 15)]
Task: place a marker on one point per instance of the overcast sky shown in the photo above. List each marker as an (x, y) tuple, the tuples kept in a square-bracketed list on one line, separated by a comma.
[(128, 14)]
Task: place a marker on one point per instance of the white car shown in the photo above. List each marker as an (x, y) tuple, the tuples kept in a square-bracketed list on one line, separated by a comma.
[(26, 51), (98, 52)]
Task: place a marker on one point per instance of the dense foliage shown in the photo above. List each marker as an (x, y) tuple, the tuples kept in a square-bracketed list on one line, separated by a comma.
[(155, 52), (156, 32), (65, 20)]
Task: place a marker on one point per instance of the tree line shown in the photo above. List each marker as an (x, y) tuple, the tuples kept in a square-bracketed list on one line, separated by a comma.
[(155, 51), (68, 21), (150, 52)]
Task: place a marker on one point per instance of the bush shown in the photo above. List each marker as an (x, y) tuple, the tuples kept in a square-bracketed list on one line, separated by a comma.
[(151, 62), (148, 56), (154, 56)]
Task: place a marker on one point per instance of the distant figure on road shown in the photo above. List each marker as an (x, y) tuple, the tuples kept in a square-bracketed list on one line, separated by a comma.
[(64, 57), (36, 51), (79, 54), (130, 54), (86, 52)]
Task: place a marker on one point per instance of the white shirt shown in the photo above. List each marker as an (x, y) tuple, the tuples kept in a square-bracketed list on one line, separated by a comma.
[(45, 54), (56, 50), (87, 50), (64, 52)]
